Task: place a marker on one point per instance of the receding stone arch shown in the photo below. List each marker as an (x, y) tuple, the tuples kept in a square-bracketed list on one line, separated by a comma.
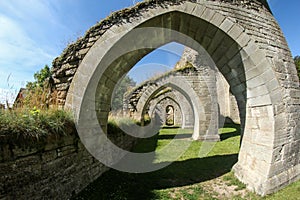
[(167, 104), (182, 86), (203, 128), (187, 116), (261, 77), (199, 71)]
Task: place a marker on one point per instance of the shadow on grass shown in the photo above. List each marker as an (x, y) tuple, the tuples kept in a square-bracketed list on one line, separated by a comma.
[(228, 135), (114, 184), (178, 136), (120, 185), (170, 127)]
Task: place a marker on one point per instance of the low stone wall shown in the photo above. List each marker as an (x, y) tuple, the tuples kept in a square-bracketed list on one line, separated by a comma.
[(56, 169)]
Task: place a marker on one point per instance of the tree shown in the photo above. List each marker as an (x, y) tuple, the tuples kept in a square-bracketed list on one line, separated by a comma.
[(37, 91), (124, 85), (297, 63), (40, 77)]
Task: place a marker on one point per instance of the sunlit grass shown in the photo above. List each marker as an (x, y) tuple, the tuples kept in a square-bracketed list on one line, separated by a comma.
[(189, 177)]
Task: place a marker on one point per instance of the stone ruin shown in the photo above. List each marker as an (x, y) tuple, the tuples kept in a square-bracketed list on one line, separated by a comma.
[(206, 81), (245, 43)]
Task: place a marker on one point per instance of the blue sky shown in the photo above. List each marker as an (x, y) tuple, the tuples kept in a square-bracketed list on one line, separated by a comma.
[(34, 32)]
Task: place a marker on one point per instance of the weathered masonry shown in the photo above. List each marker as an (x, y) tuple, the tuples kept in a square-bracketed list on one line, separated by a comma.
[(204, 79), (247, 46), (195, 79), (205, 123), (56, 168), (183, 118)]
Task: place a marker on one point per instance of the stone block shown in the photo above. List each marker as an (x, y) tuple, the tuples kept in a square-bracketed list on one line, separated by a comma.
[(260, 101), (243, 40), (226, 25), (70, 72), (232, 51), (198, 11), (257, 91), (235, 31), (217, 39), (207, 14), (217, 19)]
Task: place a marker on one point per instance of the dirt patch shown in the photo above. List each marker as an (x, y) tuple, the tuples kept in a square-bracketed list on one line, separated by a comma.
[(221, 189)]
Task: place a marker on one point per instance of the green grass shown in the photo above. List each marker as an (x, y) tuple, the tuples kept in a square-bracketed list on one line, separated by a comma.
[(26, 128), (189, 177)]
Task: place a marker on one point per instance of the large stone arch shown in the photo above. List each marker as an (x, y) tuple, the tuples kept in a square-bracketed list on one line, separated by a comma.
[(248, 48)]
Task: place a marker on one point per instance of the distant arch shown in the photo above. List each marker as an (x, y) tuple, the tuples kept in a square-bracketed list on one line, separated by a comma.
[(187, 115)]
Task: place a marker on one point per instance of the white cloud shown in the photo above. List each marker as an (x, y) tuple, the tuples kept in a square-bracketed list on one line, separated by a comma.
[(19, 54), (17, 46), (7, 95), (26, 39), (29, 10)]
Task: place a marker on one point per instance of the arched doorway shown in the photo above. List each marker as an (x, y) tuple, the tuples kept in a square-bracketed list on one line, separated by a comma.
[(170, 115)]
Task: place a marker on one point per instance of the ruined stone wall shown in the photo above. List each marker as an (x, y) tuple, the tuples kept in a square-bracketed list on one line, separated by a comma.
[(132, 97), (65, 66), (56, 170)]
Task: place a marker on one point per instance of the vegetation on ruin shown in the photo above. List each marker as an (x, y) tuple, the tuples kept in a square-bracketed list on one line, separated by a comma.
[(26, 128), (114, 122), (31, 121), (186, 68), (297, 63)]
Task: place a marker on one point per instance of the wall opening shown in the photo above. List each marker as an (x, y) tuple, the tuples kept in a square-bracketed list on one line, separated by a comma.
[(170, 115)]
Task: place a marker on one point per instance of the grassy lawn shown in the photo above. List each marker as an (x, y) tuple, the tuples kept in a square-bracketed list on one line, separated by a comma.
[(189, 177)]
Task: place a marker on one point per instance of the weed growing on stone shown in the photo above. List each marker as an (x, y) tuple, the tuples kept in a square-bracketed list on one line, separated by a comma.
[(26, 127)]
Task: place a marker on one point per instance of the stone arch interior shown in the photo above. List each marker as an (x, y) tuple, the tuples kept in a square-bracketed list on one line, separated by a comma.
[(232, 54), (182, 110), (183, 88), (229, 64), (152, 66)]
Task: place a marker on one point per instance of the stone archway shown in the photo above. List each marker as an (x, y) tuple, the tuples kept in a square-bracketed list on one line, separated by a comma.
[(202, 128), (197, 76), (205, 121), (187, 116), (248, 48)]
